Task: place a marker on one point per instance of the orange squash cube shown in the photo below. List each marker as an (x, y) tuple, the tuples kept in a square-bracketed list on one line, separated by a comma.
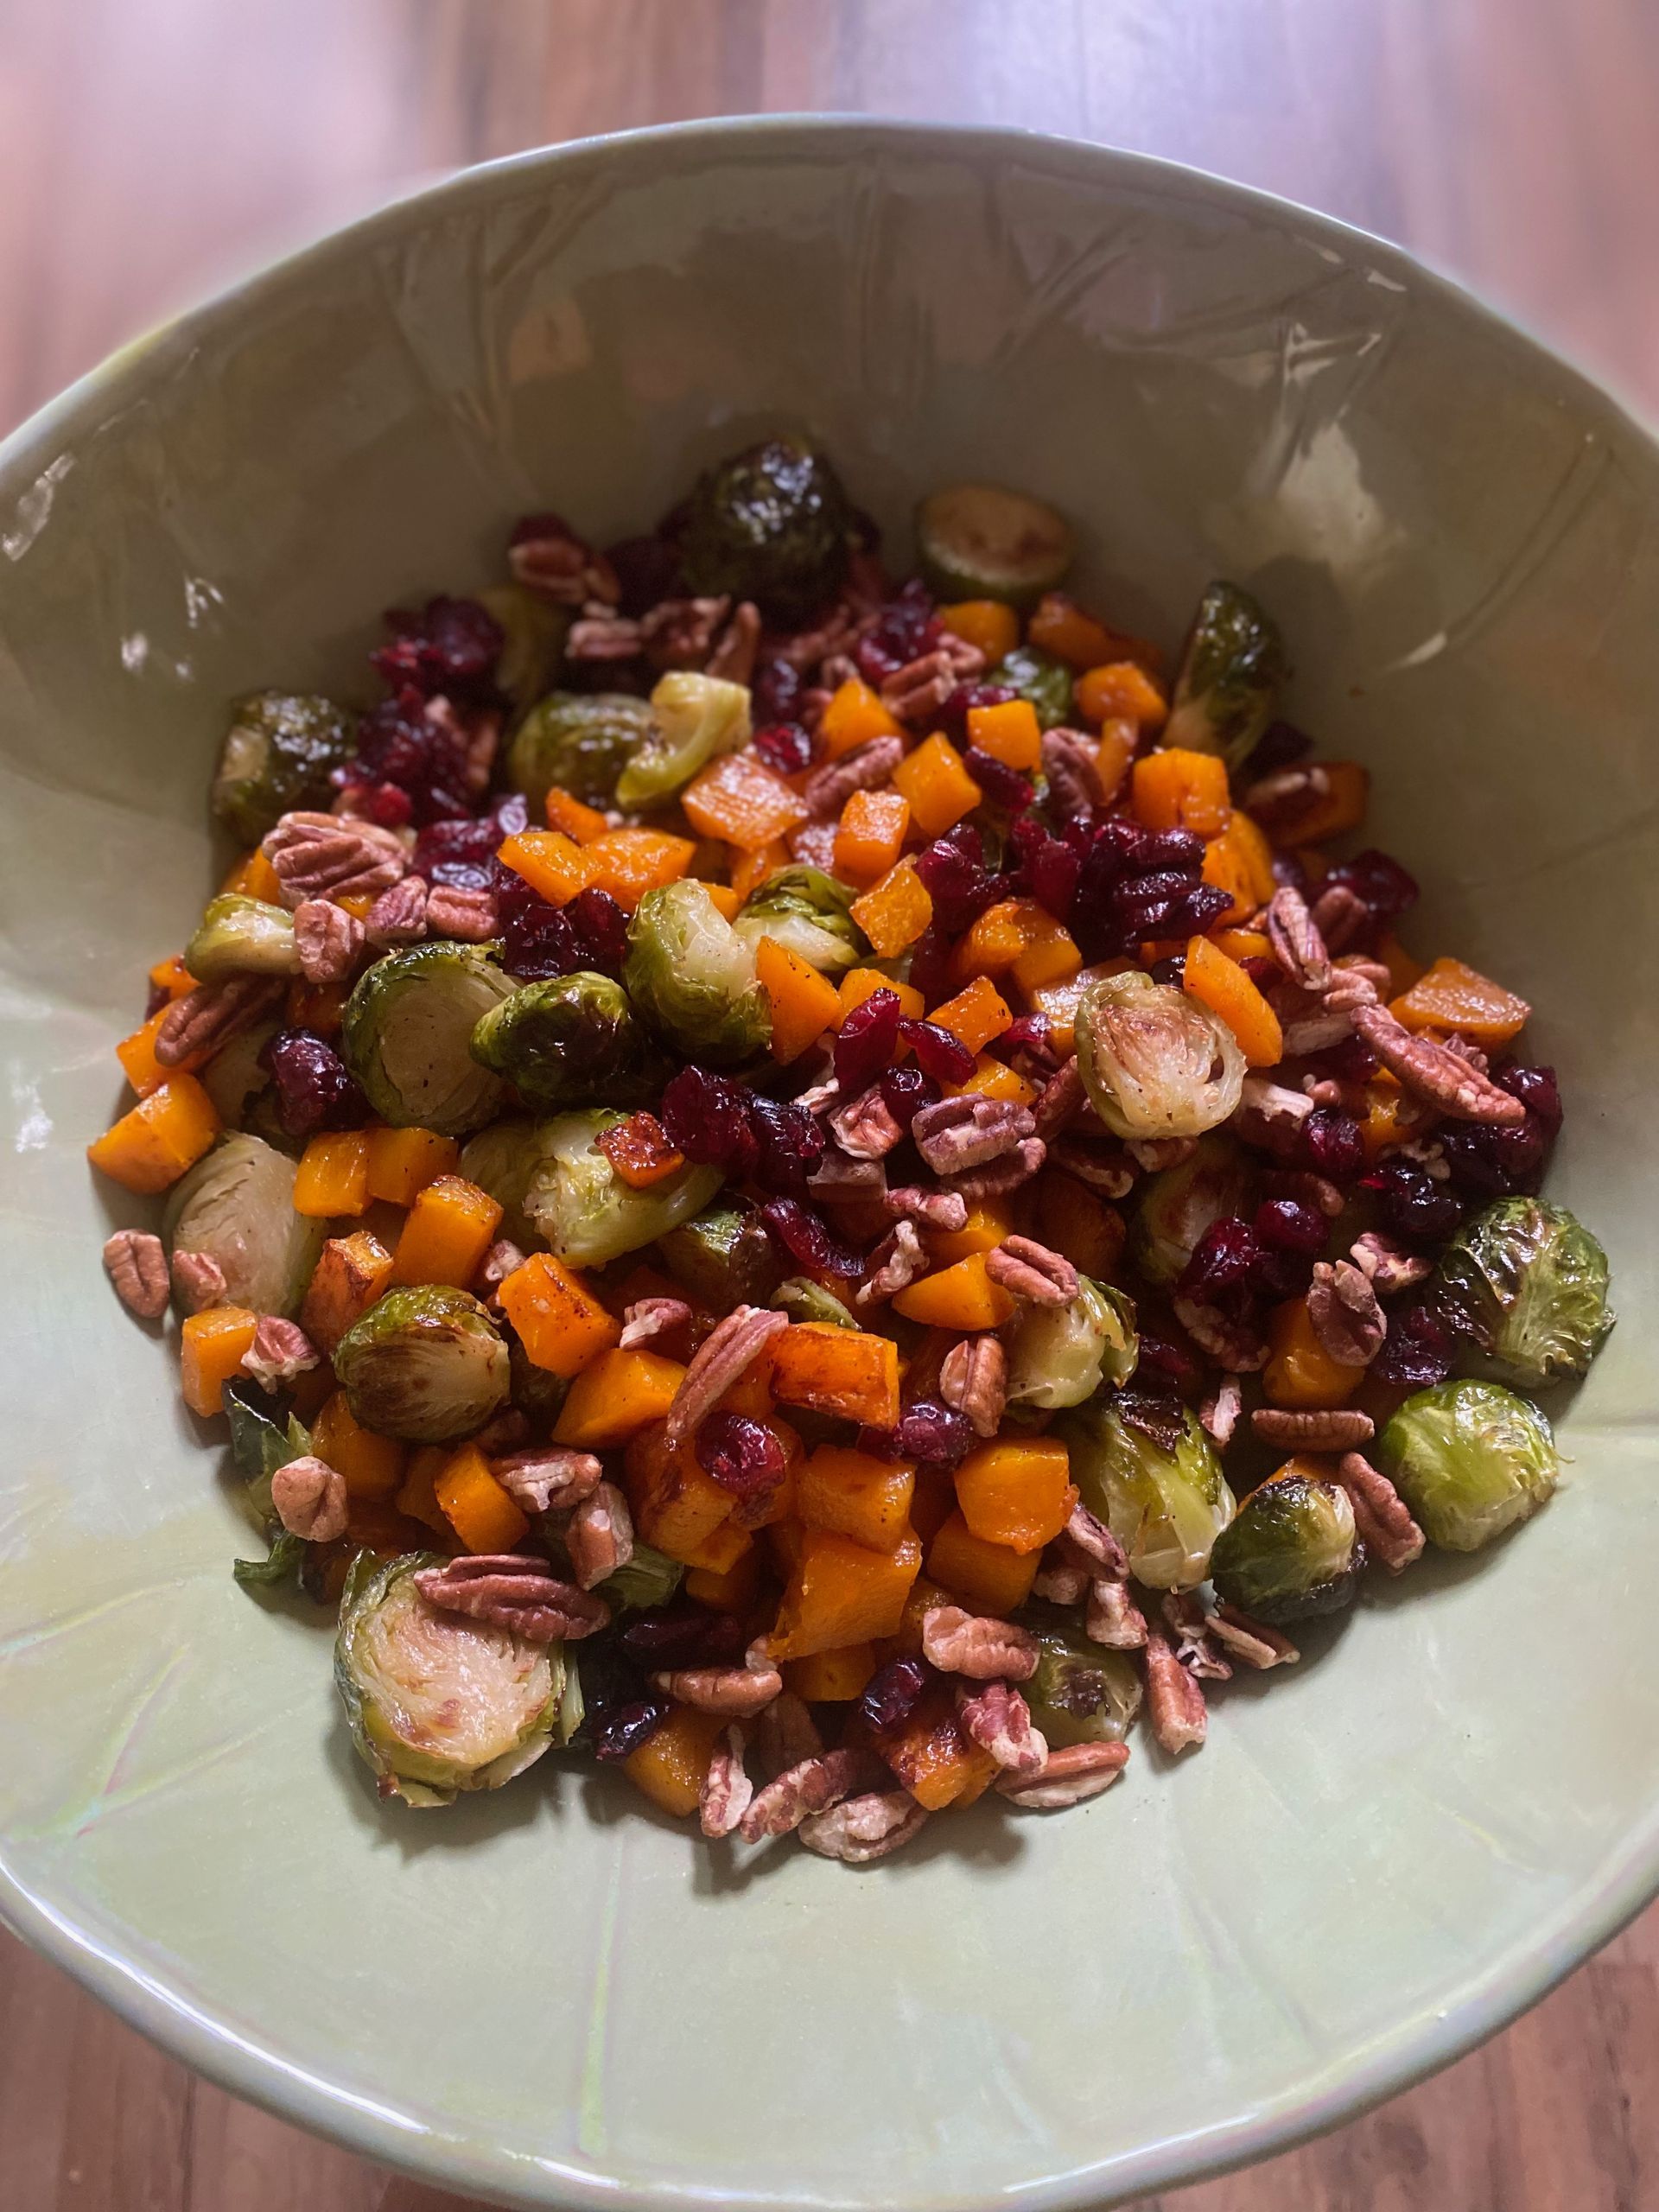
[(975, 1015), (861, 983), (1222, 985), (137, 1054), (939, 789), (629, 862), (857, 1495), (993, 1078), (831, 1677), (417, 1499), (402, 1162), (985, 1228), (870, 834), (803, 1003), (894, 914), (621, 1392), (1017, 1492), (549, 862), (986, 623), (733, 1591), (1452, 995), (750, 870), (560, 1324), (932, 1755), (212, 1348), (1240, 861), (1078, 1224), (847, 1372), (639, 1150), (580, 822), (853, 715), (1180, 789), (449, 1229), (332, 1177), (1122, 691), (1059, 626), (676, 1506), (740, 800), (961, 1297), (150, 1147), (669, 1767), (1301, 1375), (172, 976), (1009, 732), (253, 877), (481, 1513), (842, 1592), (351, 1273), (987, 1578), (1057, 1002), (372, 1465)]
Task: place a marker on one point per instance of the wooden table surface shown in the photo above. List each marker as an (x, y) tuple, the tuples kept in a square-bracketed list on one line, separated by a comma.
[(151, 148)]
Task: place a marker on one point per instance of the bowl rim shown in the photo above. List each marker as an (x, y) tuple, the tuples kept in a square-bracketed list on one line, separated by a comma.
[(247, 2067)]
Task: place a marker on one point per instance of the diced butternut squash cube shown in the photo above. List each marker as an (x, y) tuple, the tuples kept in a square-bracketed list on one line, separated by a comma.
[(733, 1591), (975, 1015), (831, 1677), (853, 715), (480, 1510), (627, 863), (985, 1228), (1078, 1224), (212, 1348), (857, 1495), (449, 1229), (402, 1162), (639, 1150), (253, 877), (750, 870), (939, 789), (1057, 1002), (166, 1133), (372, 1465), (986, 1578), (417, 1499), (1242, 945), (1240, 861), (332, 1177), (1180, 789), (676, 1506), (814, 845), (993, 1078), (580, 824), (1017, 1492), (894, 914), (1051, 954), (621, 1392), (861, 983), (986, 623), (1301, 1375), (723, 1550), (549, 862), (137, 1054), (319, 1007), (669, 1767), (1451, 995), (560, 1322), (1058, 625), (842, 1592), (847, 1372), (351, 1273), (1222, 985), (740, 800), (1009, 731), (1392, 1116), (172, 976), (1334, 804), (870, 834), (1120, 690), (932, 1755), (960, 1297), (803, 1003)]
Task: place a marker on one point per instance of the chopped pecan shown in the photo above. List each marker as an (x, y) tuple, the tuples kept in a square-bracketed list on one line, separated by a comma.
[(864, 1828), (1251, 1641), (1061, 1583), (837, 1176), (1189, 1624), (328, 940), (733, 658), (998, 1720), (1315, 1032), (1381, 1515), (1343, 1310), (1466, 1050), (548, 1480), (865, 1127), (1428, 1071), (1391, 1267), (1357, 980), (998, 1177), (786, 1734), (973, 1381), (1113, 1620), (1271, 1114), (603, 634), (1071, 765), (599, 1535), (1297, 945), (741, 1692), (514, 1593), (280, 1350), (826, 789), (1029, 1270), (1067, 1776), (811, 1787), (681, 633), (728, 1351), (804, 649), (1087, 1535), (198, 1280), (1218, 1415), (398, 915), (726, 1792), (652, 1317), (1333, 1428), (549, 558), (1338, 915), (936, 1209), (503, 1259), (1305, 1188), (1104, 1168), (333, 856), (1062, 1095), (209, 1016), (457, 911), (309, 1497), (1233, 1342), (894, 1266), (916, 692), (959, 1643), (136, 1264), (955, 1134), (1283, 800), (1174, 1700)]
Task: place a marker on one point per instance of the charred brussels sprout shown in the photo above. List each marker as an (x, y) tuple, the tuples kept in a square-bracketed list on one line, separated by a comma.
[(771, 525), (1081, 1693), (977, 541), (533, 630), (569, 1042), (242, 937), (1230, 673), (1037, 676), (1059, 1356), (576, 1202), (802, 1299), (1179, 1204), (693, 718), (581, 741), (237, 1206), (1527, 1284), (1166, 1509), (692, 976), (438, 1703), (425, 1363), (1469, 1460), (279, 753), (723, 1257), (407, 1036), (1155, 1061), (1291, 1551), (809, 913)]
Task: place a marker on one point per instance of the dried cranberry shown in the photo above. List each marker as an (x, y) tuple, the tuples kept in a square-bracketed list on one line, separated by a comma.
[(1351, 1061), (1537, 1091), (457, 852), (1004, 786), (1048, 866), (1029, 1034), (1176, 851), (424, 755), (905, 1090), (1495, 1163), (784, 746), (1287, 1226), (603, 928), (707, 1118), (743, 1456), (315, 1089), (892, 1694), (1165, 1362), (1416, 1352), (933, 1433), (938, 1051), (1413, 1205), (953, 873), (1280, 745), (1221, 1262), (658, 1638), (624, 1728), (1330, 1144), (868, 1041), (1379, 880), (450, 646), (778, 688), (538, 940), (806, 1238), (387, 805), (791, 1144), (952, 717), (1290, 872), (1165, 905), (930, 964), (903, 629), (647, 570)]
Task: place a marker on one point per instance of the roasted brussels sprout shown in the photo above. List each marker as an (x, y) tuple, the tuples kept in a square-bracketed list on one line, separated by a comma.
[(438, 1703), (1037, 676), (242, 937), (1470, 1458), (1166, 1509), (692, 976), (1176, 1205), (425, 1362), (576, 1204), (234, 1076), (260, 1443), (811, 914), (771, 525), (723, 1257), (650, 1578), (278, 754), (503, 1159), (1230, 673), (1155, 1062), (802, 1299), (977, 541), (1291, 1551), (693, 718), (572, 1041), (533, 630), (1527, 1284), (579, 740), (1060, 1354), (407, 1036), (237, 1206), (537, 1392), (1081, 1693)]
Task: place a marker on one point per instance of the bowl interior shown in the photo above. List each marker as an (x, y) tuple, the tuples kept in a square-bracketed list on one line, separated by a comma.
[(554, 1995)]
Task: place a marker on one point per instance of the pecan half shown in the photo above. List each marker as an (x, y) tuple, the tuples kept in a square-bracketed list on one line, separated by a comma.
[(1389, 1266), (998, 1177), (1029, 1270), (864, 1828), (652, 1317), (398, 915), (973, 1381), (729, 1351), (309, 1497), (734, 655), (1305, 1188), (1338, 915), (280, 1350), (1218, 1415), (513, 1592), (1113, 1620), (1232, 1342), (1174, 1702), (328, 940), (503, 1259), (1251, 1642), (935, 1209), (550, 1480), (916, 692), (1270, 1115), (198, 1280), (726, 1792), (454, 910), (998, 1720), (1061, 1583), (1067, 1778), (681, 633), (136, 1264), (739, 1692), (1334, 1428), (1072, 766), (1189, 1625), (603, 634), (865, 1127), (837, 1175), (1381, 1515), (333, 856), (811, 1787), (1428, 1071), (1106, 1169), (209, 1016), (1343, 1310), (549, 558), (1283, 800), (1062, 1097), (599, 1535), (1086, 1533), (826, 789), (786, 1734), (894, 1265), (955, 1134), (1297, 945), (959, 1643)]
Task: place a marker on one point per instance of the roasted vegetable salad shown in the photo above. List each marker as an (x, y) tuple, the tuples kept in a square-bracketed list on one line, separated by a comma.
[(831, 1191)]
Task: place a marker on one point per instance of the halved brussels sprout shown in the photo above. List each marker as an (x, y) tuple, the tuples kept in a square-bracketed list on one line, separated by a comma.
[(1230, 673), (1175, 1206), (437, 1702), (1060, 1354), (502, 1160), (581, 741), (537, 1392), (1469, 1460), (237, 1206), (802, 1299), (533, 630), (976, 540), (1155, 1062), (1166, 1509), (771, 525), (279, 753), (425, 1362), (809, 913), (1037, 676), (1527, 1284), (723, 1257), (576, 1202), (1292, 1550), (690, 973), (695, 718), (407, 1035), (242, 937), (650, 1578), (1081, 1693), (233, 1076), (571, 1042)]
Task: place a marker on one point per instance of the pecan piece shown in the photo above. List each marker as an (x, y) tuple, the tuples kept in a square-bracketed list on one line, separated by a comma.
[(786, 1735), (1029, 1270), (198, 1280), (209, 1016), (1218, 1415), (959, 1643), (1391, 1267), (1335, 1428), (729, 1351), (726, 1792), (1297, 945), (1071, 765), (309, 1497), (280, 1350), (1251, 1641), (915, 693), (826, 789), (549, 558), (599, 1535), (955, 1134), (652, 1317), (935, 1209), (1067, 1776), (1271, 1114), (1062, 1097), (455, 911), (1283, 800), (1381, 1515), (837, 1175), (1232, 1342), (1305, 1188), (1339, 914), (1061, 1583), (550, 1480), (603, 634), (734, 655), (865, 1127), (1343, 1310), (974, 1380), (1189, 1624), (333, 856), (811, 1787), (998, 1177), (894, 1265), (1105, 1169), (503, 1259), (998, 1720), (866, 1828), (680, 632), (328, 940), (741, 1692), (1174, 1700), (1429, 1071), (136, 1264), (398, 915), (1114, 1620), (1087, 1534), (513, 1592)]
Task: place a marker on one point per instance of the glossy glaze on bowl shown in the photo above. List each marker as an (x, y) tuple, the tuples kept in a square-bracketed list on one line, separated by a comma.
[(552, 1996)]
